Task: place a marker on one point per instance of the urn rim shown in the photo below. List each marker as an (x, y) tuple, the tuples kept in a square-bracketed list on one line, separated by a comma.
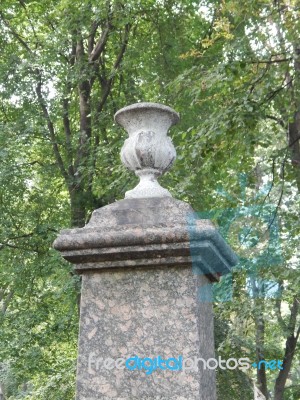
[(174, 116)]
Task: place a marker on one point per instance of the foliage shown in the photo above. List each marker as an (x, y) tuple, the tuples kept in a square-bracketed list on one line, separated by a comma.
[(232, 70)]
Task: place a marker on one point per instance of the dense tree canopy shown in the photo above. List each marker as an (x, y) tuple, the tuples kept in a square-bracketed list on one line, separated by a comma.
[(232, 70)]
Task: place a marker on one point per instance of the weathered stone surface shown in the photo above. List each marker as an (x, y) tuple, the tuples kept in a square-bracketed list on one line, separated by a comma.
[(146, 232), (144, 312)]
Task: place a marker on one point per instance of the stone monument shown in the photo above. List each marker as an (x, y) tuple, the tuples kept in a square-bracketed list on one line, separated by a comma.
[(144, 331)]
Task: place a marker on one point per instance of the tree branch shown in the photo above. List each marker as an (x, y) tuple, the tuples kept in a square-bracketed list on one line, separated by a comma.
[(91, 39), (68, 134), (7, 301), (279, 120), (278, 311), (84, 90), (15, 34), (293, 316), (12, 246), (46, 115), (280, 60), (95, 54), (290, 348), (117, 63), (276, 91)]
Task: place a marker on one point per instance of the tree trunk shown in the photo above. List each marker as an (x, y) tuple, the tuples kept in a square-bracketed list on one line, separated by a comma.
[(259, 338), (261, 372), (294, 126), (78, 206), (290, 349), (287, 363)]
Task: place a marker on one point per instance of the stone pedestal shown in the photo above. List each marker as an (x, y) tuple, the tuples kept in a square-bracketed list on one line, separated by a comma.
[(145, 330), (140, 299), (147, 313)]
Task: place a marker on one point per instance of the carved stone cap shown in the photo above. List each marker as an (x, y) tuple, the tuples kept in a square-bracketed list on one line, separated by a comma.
[(151, 232)]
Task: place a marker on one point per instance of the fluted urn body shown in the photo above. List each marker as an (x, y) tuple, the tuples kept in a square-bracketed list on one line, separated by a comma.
[(148, 151)]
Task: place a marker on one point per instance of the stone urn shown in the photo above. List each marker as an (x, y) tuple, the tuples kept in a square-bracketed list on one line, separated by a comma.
[(148, 151)]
